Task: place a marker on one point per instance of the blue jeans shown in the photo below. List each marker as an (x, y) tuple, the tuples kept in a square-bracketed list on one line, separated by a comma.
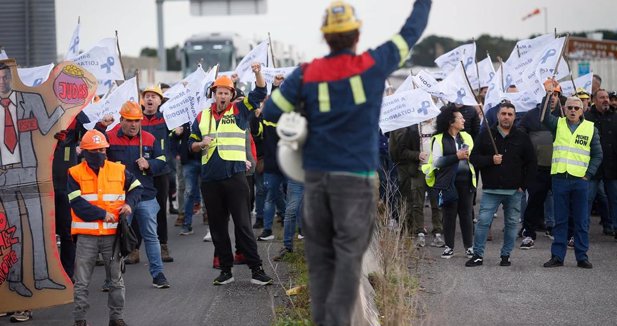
[(488, 207), (191, 171), (260, 195), (569, 196), (272, 183), (611, 192), (293, 212), (145, 213), (549, 211)]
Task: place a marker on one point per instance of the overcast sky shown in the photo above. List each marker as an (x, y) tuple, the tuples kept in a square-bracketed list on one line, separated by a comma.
[(297, 22)]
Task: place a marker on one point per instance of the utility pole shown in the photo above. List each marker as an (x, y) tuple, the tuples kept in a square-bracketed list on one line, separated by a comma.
[(162, 53)]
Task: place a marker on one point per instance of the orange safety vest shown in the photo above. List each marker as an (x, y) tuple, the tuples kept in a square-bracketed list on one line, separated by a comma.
[(105, 190)]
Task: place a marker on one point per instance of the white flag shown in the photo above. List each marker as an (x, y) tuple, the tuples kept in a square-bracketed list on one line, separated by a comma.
[(528, 47), (205, 102), (455, 88), (584, 81), (258, 54), (73, 49), (269, 73), (407, 85), (406, 108), (182, 106), (547, 60), (3, 55), (487, 71), (34, 76), (493, 94), (112, 103), (450, 60), (424, 80), (103, 62)]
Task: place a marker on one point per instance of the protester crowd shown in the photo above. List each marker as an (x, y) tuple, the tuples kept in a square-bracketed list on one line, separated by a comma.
[(548, 168)]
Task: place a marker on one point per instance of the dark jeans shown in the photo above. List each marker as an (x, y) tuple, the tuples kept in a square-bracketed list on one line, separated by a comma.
[(534, 212), (225, 197), (461, 207), (63, 230), (339, 215), (161, 183), (569, 196)]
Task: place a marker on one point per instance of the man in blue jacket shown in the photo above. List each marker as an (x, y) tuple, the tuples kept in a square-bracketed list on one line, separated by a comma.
[(342, 95)]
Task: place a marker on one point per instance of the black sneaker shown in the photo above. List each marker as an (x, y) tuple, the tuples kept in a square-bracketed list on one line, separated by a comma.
[(527, 243), (260, 278), (259, 223), (505, 261), (584, 264), (571, 243), (474, 261), (553, 262), (266, 235), (282, 253), (224, 278), (160, 282)]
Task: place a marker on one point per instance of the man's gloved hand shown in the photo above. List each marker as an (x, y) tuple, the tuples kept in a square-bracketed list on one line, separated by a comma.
[(61, 135)]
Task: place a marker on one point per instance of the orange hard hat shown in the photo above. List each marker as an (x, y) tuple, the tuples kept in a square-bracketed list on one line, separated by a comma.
[(93, 139), (153, 89), (131, 110), (223, 81)]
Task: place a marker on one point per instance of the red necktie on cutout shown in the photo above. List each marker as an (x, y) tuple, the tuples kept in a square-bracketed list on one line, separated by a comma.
[(10, 134)]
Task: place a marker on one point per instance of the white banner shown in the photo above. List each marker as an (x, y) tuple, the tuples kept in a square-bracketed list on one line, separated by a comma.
[(407, 85), (3, 55), (405, 109), (584, 81), (183, 105), (450, 60), (112, 103), (258, 54), (34, 76), (103, 62), (424, 80), (269, 73), (547, 61), (528, 47), (523, 101), (73, 49), (456, 89)]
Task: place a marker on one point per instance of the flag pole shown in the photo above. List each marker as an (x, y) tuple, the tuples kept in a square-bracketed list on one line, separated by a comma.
[(141, 151), (271, 50), (120, 55), (488, 128), (501, 66)]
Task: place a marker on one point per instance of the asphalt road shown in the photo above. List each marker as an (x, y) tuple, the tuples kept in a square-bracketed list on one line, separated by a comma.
[(525, 293), (191, 299)]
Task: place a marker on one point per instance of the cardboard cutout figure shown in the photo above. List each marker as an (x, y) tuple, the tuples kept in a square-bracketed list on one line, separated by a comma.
[(31, 275)]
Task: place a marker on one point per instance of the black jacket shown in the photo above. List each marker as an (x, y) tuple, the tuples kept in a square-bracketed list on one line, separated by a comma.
[(607, 127), (404, 145), (518, 165)]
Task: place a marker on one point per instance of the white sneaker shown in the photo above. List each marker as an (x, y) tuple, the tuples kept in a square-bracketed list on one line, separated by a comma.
[(469, 252), (447, 253), (208, 237), (421, 240), (300, 236), (438, 241)]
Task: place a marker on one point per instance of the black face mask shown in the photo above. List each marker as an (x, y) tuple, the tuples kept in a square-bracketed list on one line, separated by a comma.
[(95, 160)]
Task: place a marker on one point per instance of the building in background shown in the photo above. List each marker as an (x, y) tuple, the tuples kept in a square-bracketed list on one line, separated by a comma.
[(28, 31)]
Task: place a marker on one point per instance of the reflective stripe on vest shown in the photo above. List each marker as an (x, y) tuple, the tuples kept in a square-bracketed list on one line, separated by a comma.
[(429, 169), (105, 190), (572, 150), (228, 138)]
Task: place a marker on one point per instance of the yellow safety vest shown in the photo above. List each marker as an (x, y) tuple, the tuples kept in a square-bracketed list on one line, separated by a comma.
[(228, 138), (105, 190), (429, 169), (572, 150)]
